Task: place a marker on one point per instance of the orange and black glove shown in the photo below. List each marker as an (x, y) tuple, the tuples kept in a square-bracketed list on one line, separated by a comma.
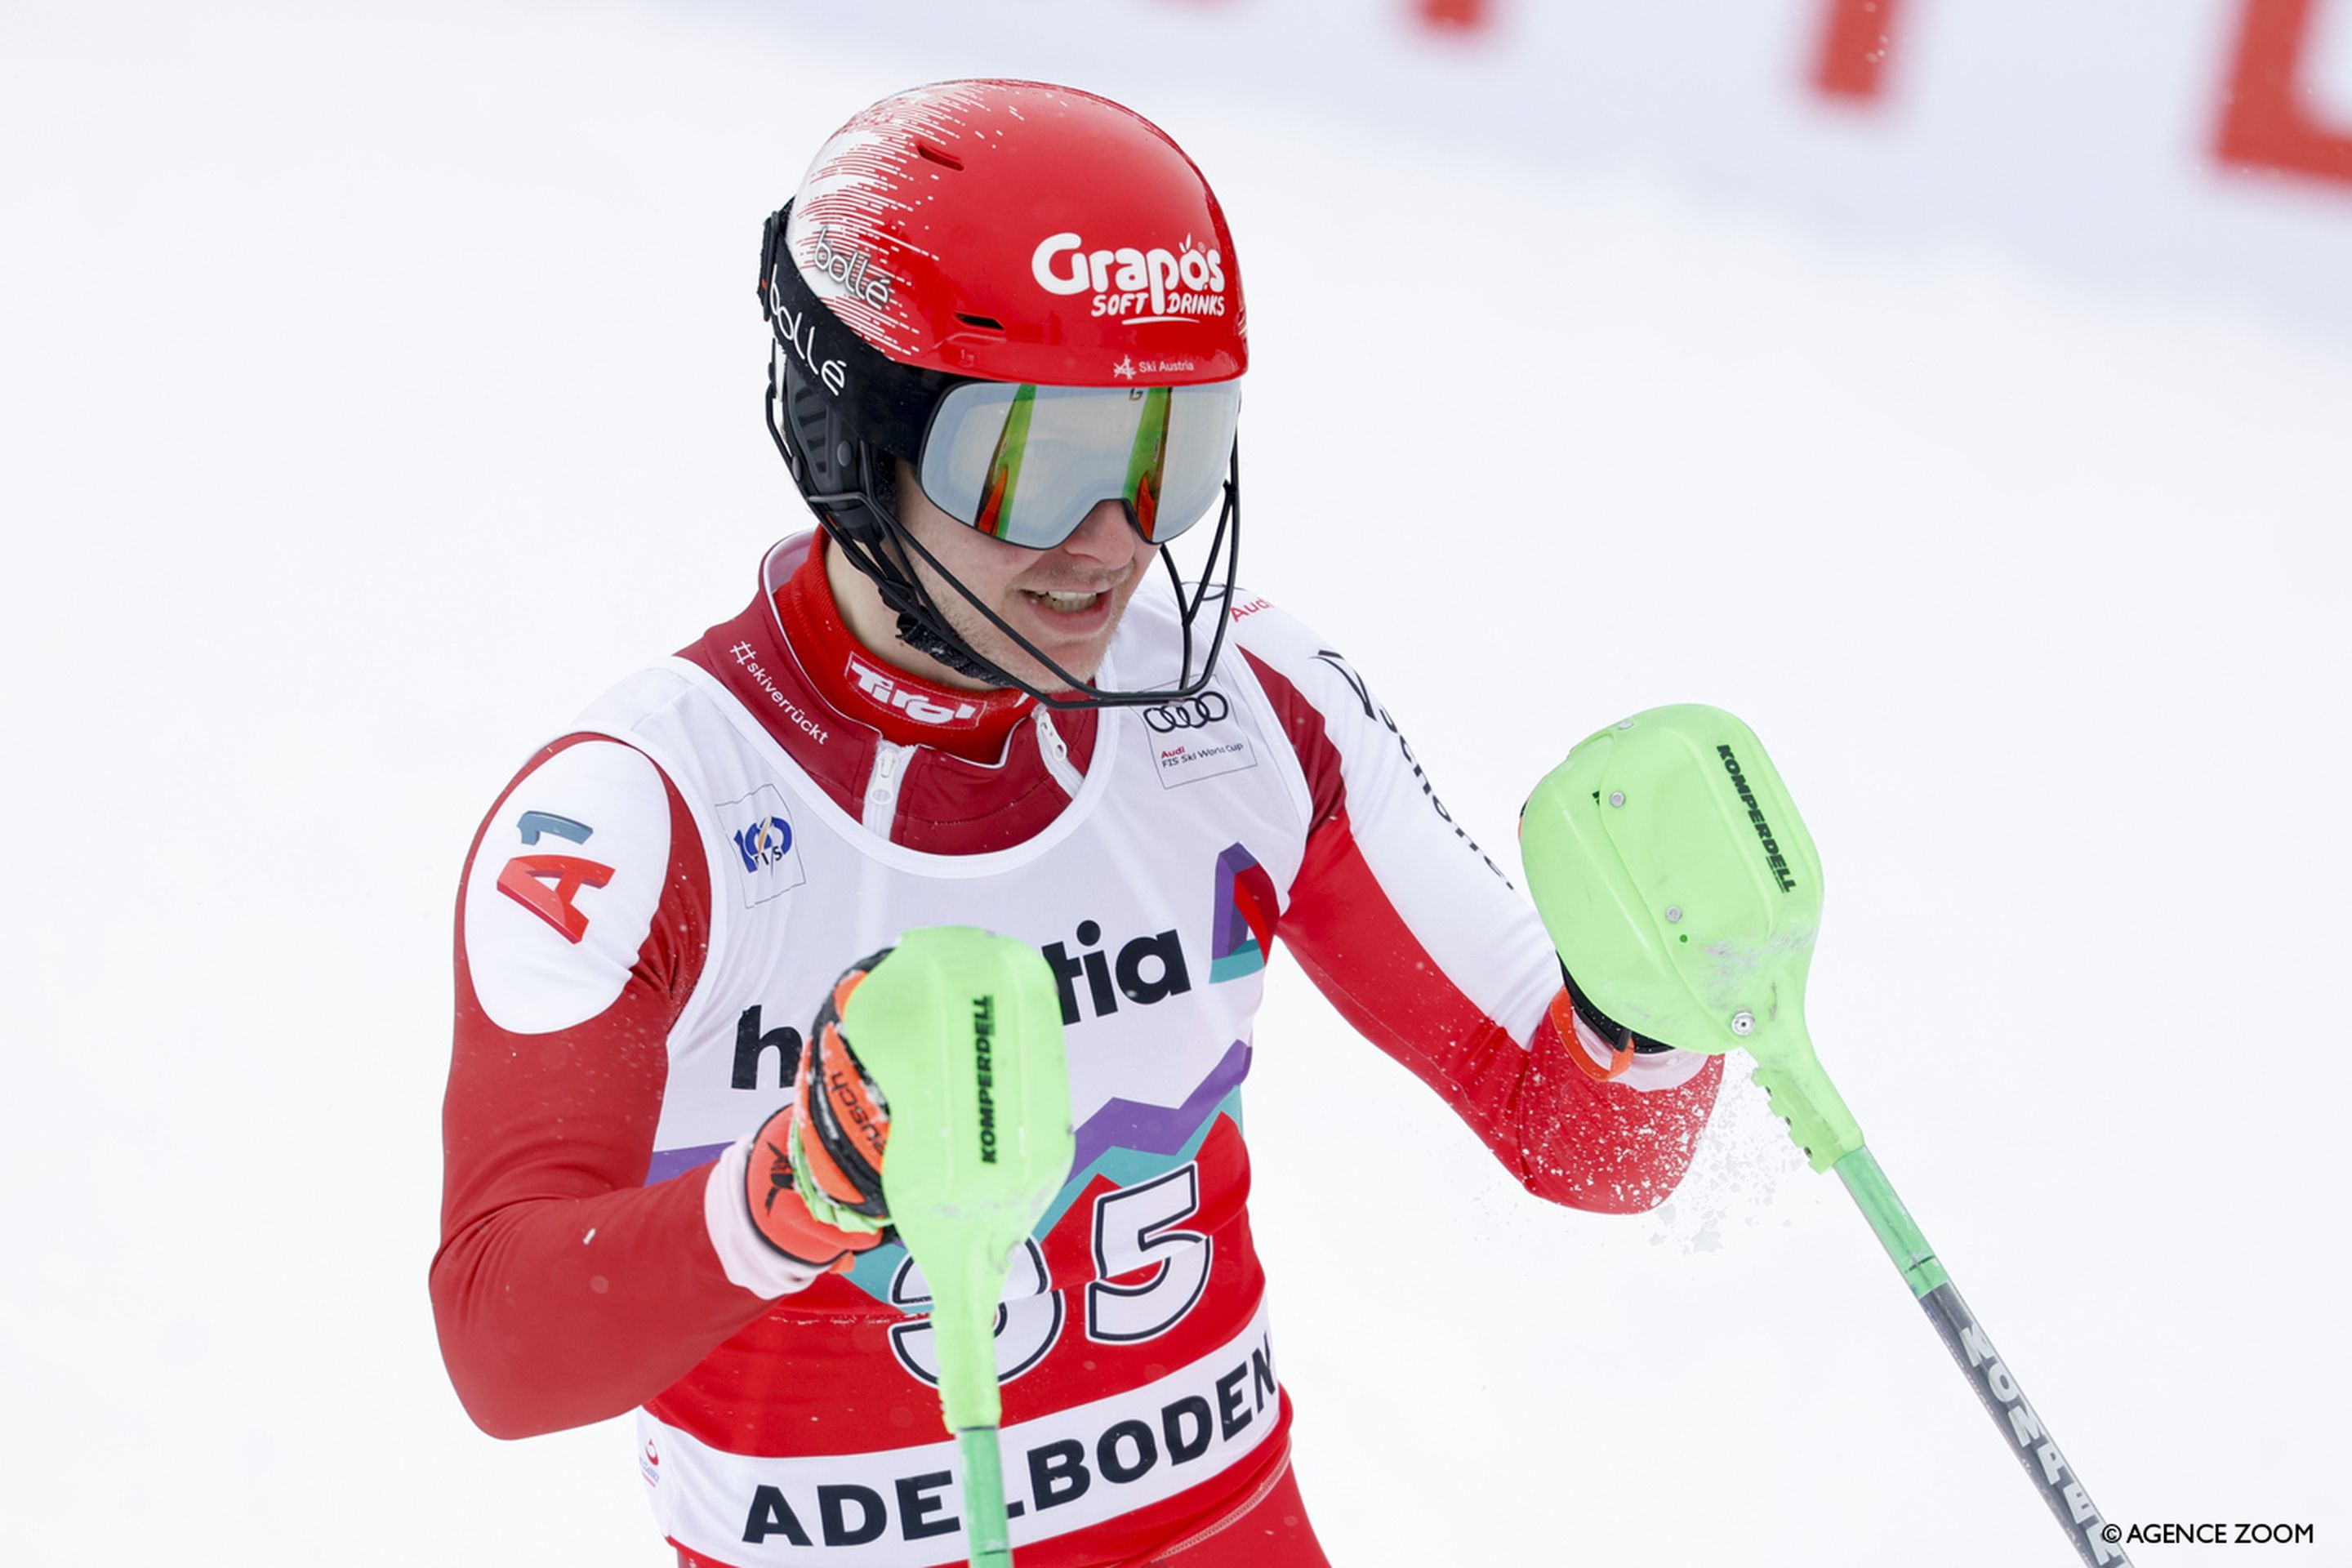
[(814, 1184), (1608, 1046)]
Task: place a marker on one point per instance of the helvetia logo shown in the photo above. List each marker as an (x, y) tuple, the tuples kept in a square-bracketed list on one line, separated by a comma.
[(1164, 951), (1132, 284), (1241, 931)]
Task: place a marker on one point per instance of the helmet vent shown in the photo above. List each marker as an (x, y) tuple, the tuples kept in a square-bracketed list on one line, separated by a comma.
[(990, 322), (946, 160)]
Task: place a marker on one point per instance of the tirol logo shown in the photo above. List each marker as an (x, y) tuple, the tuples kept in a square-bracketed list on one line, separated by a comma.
[(1163, 952), (884, 688), (1241, 933), (852, 269), (1198, 713), (1132, 284), (764, 844)]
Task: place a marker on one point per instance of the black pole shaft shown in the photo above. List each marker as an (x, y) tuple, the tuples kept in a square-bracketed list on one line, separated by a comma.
[(2029, 1440)]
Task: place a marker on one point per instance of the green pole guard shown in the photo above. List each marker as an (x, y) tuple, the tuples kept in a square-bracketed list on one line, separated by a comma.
[(1905, 1245), (1676, 879), (1684, 893), (962, 1031), (984, 1485), (1801, 1095)]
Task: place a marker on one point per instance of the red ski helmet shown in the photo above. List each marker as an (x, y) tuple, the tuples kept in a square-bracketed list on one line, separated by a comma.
[(972, 263)]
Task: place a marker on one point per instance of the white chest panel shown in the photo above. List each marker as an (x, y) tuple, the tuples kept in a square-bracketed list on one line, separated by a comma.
[(1138, 894)]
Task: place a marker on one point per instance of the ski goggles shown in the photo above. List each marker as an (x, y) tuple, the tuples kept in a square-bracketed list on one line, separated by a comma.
[(1026, 463)]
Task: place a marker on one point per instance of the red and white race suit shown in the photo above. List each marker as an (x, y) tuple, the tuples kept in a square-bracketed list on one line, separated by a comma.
[(660, 902)]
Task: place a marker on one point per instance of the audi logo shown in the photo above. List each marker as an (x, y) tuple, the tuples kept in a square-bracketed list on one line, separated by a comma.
[(1199, 713)]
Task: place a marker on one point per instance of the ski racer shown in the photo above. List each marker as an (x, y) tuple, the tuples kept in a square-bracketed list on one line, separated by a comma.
[(1008, 347)]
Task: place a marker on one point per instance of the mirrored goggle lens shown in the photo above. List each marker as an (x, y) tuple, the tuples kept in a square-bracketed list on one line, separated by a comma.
[(1026, 464)]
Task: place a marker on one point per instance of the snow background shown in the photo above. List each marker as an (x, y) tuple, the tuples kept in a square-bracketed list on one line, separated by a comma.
[(379, 384)]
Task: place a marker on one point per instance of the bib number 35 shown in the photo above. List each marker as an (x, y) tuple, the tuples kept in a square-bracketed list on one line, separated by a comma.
[(1135, 1228)]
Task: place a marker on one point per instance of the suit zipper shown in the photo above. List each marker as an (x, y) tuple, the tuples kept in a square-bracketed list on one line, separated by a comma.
[(882, 787), (1056, 752)]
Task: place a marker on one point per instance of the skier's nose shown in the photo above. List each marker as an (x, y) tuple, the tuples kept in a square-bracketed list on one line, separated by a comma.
[(1106, 538)]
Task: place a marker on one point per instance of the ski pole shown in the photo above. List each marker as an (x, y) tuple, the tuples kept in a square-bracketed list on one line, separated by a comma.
[(963, 1034), (1684, 893)]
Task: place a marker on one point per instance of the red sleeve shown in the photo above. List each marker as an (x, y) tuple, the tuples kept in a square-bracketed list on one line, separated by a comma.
[(1564, 1134), (565, 1291)]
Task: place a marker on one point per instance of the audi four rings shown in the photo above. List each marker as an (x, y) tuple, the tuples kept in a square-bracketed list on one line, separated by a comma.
[(1200, 711)]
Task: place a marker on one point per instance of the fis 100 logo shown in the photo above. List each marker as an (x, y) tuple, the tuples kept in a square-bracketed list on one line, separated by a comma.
[(764, 844)]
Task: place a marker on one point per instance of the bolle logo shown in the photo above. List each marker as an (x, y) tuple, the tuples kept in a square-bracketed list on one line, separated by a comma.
[(1197, 715), (852, 269), (983, 1046), (884, 688), (1133, 285), (1097, 969), (800, 333), (1756, 818), (764, 843)]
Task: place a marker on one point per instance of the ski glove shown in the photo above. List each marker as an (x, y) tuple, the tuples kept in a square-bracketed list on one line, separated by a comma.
[(814, 1182), (1608, 1047)]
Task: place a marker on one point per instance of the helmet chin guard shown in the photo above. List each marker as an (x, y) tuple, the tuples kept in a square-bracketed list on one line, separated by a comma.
[(1009, 232)]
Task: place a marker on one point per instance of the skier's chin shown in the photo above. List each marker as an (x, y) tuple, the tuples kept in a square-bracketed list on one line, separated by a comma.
[(1081, 665), (1079, 658)]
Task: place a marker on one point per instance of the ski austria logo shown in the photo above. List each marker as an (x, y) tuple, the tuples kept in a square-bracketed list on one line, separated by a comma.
[(1130, 284), (1241, 933), (768, 861)]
